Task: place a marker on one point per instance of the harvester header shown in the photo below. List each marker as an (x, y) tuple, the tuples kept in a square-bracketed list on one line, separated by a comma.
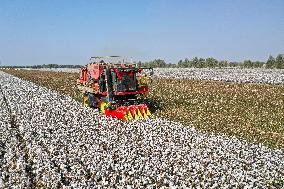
[(115, 88)]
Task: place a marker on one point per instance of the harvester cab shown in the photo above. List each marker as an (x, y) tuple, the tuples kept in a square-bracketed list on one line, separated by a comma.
[(115, 87)]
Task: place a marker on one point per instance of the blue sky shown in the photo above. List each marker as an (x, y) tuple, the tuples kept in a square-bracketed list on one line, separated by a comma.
[(70, 31)]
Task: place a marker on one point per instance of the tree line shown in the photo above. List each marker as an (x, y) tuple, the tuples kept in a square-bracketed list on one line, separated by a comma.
[(210, 62), (195, 62)]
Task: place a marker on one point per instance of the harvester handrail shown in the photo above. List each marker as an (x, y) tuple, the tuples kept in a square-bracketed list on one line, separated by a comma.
[(149, 68), (96, 57)]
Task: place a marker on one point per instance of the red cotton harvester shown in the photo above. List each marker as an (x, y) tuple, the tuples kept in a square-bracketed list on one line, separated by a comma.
[(115, 88)]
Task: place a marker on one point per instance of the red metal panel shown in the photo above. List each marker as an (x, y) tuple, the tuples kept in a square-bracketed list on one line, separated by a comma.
[(96, 72), (83, 75)]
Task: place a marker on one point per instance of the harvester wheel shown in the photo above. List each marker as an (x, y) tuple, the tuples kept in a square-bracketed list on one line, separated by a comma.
[(98, 102), (91, 99)]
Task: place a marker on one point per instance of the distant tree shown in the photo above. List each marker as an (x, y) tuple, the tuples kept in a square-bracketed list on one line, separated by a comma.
[(258, 64), (248, 64), (170, 65), (279, 61), (232, 64), (195, 62), (211, 62), (201, 63), (159, 63), (139, 63), (270, 62), (180, 64), (187, 63), (222, 63)]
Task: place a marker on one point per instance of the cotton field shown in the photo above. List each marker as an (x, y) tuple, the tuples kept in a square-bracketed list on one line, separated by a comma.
[(49, 140), (225, 74), (246, 110), (269, 76)]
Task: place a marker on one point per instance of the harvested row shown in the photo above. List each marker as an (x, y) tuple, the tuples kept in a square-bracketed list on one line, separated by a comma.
[(67, 145)]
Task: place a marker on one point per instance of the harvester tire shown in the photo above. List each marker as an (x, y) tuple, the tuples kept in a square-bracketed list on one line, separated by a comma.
[(92, 100), (98, 102)]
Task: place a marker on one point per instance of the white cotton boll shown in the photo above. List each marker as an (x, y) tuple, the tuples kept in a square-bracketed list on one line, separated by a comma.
[(224, 74)]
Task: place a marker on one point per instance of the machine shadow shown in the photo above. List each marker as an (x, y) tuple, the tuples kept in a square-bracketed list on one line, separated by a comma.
[(153, 104)]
